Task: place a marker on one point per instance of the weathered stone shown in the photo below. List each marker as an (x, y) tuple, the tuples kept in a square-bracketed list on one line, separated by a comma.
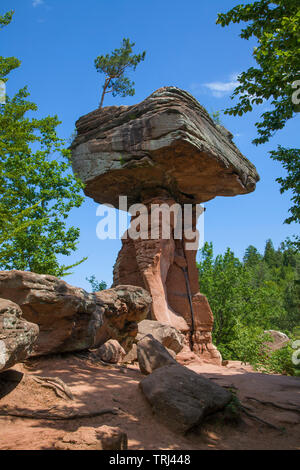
[(180, 398), (111, 352), (87, 438), (131, 356), (17, 336), (166, 141), (186, 356), (167, 335), (165, 150), (279, 340), (71, 319), (167, 269), (152, 354)]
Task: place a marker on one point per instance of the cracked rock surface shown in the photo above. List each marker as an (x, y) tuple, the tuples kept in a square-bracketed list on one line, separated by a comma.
[(167, 141), (71, 319), (17, 336)]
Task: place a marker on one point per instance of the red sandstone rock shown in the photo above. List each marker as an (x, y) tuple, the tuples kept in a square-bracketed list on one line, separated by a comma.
[(111, 352), (17, 336), (167, 335), (152, 354), (164, 150), (71, 319), (166, 141), (157, 265)]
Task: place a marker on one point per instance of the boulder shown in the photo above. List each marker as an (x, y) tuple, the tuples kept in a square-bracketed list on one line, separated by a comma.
[(167, 335), (152, 354), (88, 438), (166, 141), (69, 318), (17, 336), (279, 340), (111, 352), (131, 356), (181, 398)]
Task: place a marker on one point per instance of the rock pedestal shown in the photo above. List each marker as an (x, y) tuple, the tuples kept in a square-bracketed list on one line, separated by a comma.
[(164, 152), (166, 267)]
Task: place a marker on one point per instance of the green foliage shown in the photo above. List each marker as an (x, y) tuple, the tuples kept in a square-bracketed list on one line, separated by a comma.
[(290, 160), (114, 67), (34, 174), (7, 64), (232, 411), (279, 362), (215, 115), (96, 285), (11, 223), (275, 24), (249, 297)]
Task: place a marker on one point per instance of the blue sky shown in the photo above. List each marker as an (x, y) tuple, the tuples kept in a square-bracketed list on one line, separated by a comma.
[(57, 42)]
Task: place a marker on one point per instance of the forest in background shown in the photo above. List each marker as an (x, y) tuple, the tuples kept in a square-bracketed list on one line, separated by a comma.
[(248, 297)]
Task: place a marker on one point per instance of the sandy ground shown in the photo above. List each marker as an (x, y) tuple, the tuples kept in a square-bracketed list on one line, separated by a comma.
[(95, 387)]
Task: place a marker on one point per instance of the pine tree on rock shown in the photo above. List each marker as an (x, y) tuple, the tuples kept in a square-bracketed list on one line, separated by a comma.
[(114, 67)]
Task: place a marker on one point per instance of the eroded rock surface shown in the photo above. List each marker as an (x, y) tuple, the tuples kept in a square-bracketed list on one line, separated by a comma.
[(164, 151), (167, 335), (17, 336), (111, 351), (151, 355), (69, 318), (166, 141), (278, 340), (180, 398)]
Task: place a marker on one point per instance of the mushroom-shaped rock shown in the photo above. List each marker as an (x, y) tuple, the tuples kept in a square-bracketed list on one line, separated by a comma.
[(167, 141), (165, 151)]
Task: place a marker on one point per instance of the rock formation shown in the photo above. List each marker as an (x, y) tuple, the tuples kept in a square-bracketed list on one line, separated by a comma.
[(167, 335), (152, 354), (166, 151), (277, 340), (17, 336), (181, 398), (71, 319), (111, 352)]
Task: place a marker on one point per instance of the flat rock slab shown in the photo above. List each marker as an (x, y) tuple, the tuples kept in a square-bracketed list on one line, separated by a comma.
[(167, 141), (180, 398)]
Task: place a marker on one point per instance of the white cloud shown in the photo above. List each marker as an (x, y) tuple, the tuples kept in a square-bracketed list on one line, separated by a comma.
[(36, 3), (220, 89)]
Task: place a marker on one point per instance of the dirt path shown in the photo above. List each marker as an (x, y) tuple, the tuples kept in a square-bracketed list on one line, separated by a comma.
[(97, 387)]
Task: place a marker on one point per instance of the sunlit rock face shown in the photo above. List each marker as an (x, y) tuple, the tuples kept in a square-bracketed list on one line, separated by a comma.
[(166, 141), (68, 317), (164, 150)]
